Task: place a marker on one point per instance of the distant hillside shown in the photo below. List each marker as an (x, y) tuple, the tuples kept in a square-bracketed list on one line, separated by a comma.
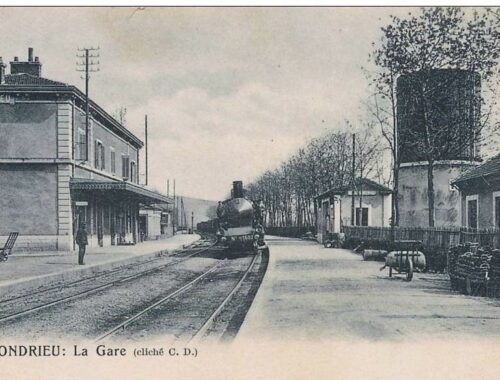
[(202, 209)]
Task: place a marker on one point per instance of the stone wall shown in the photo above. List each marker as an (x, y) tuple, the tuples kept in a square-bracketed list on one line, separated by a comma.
[(413, 198), (28, 199), (28, 130)]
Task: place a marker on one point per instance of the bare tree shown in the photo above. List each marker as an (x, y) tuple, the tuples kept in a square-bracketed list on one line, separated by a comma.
[(324, 163), (382, 109)]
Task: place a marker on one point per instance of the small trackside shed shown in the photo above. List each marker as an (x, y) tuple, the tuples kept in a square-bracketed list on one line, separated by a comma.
[(372, 207)]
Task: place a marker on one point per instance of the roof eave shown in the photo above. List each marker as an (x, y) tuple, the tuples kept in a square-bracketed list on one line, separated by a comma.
[(330, 193)]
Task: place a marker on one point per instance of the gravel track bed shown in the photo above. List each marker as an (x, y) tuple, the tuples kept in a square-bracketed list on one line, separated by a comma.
[(91, 315), (28, 301), (181, 317), (55, 287), (228, 323)]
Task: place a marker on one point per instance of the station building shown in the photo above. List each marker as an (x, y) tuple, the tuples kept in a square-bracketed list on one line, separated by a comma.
[(335, 207), (55, 173), (480, 195)]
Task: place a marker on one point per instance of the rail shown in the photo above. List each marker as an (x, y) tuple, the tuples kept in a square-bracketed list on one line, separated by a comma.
[(136, 316), (211, 319), (97, 288)]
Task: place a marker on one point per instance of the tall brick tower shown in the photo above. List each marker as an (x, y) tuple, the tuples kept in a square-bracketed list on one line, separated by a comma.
[(438, 111)]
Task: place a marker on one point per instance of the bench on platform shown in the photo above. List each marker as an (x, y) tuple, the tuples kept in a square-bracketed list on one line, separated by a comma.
[(9, 244)]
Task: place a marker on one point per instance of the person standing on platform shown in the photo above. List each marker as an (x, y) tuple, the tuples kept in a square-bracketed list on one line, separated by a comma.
[(82, 241)]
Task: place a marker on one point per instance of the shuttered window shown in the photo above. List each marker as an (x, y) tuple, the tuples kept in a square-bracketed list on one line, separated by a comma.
[(112, 160), (81, 145), (126, 167), (99, 156), (133, 172)]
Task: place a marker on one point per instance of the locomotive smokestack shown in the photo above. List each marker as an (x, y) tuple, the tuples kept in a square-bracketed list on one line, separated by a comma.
[(237, 189)]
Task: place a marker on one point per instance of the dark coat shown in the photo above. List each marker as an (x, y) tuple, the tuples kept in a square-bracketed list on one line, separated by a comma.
[(81, 237)]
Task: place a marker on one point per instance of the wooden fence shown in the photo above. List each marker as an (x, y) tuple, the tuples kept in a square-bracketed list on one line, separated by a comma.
[(432, 238)]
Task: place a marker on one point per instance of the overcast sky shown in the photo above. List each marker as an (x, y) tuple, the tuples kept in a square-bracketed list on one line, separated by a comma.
[(229, 92)]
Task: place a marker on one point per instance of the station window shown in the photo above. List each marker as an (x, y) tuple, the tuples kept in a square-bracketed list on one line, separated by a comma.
[(112, 160), (362, 216), (100, 156), (472, 213), (81, 145), (133, 172), (125, 167)]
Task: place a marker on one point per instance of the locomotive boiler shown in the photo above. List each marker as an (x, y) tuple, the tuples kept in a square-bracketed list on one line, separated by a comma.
[(240, 221)]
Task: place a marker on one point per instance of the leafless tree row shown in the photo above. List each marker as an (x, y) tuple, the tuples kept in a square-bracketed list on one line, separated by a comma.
[(324, 163)]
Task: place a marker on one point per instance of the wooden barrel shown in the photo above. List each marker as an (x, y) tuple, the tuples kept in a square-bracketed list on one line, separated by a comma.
[(392, 259), (374, 254)]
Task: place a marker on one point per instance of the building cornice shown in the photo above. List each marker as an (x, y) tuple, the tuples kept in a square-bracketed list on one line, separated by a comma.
[(35, 161)]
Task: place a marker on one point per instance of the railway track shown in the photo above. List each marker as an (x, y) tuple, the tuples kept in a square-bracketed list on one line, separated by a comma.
[(105, 273), (95, 289), (208, 323), (202, 331)]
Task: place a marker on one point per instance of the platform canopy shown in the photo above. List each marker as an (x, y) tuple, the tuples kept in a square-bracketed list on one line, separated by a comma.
[(123, 188)]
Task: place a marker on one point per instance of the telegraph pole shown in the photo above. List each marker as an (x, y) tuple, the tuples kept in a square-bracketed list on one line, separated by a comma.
[(360, 193), (360, 189), (395, 190), (192, 222), (87, 65), (179, 216), (173, 213), (353, 206), (183, 222), (146, 143)]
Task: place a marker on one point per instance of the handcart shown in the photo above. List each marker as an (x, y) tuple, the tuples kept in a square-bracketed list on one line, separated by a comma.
[(405, 257)]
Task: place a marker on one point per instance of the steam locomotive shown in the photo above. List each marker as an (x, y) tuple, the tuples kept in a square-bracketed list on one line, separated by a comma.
[(240, 221)]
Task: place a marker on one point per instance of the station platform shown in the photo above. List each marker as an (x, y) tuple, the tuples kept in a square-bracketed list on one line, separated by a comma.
[(25, 270), (313, 294)]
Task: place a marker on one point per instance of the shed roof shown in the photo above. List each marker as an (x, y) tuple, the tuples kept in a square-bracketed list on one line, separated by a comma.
[(486, 169), (365, 182), (486, 173)]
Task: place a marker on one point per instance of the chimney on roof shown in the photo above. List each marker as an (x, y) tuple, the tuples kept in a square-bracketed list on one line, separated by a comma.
[(32, 67), (2, 71), (237, 189)]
